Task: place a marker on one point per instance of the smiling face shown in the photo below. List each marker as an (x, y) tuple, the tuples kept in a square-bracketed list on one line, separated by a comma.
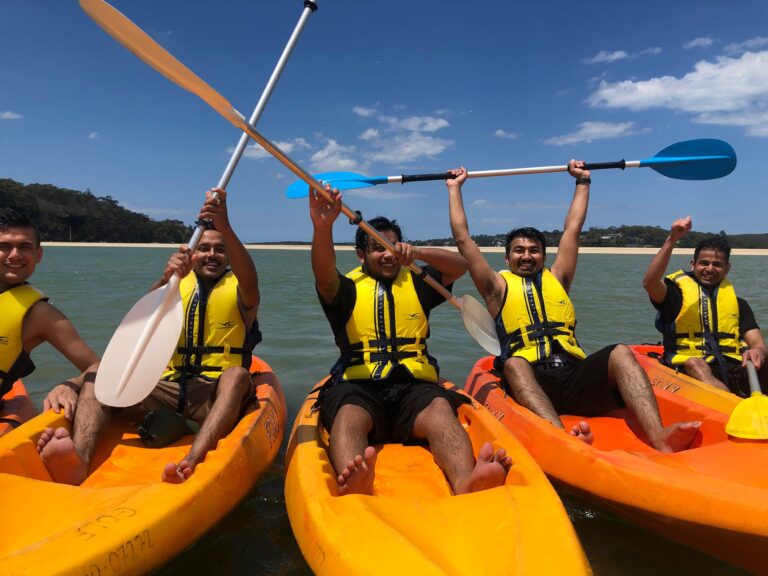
[(19, 254), (210, 258), (525, 257), (377, 261), (710, 267)]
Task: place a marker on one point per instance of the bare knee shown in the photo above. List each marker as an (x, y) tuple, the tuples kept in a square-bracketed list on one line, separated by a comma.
[(517, 372), (353, 416), (235, 380), (696, 367)]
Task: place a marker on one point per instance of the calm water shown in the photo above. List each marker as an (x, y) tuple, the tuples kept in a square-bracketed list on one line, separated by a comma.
[(95, 287)]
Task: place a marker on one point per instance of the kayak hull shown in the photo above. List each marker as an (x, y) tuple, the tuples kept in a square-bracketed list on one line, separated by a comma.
[(665, 378), (413, 524), (123, 519), (16, 408), (713, 497)]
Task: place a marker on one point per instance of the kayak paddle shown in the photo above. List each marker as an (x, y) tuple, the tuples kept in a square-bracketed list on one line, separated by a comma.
[(749, 418), (476, 318), (704, 159), (150, 330)]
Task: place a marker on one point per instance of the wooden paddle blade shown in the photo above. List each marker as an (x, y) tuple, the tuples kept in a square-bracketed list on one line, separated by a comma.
[(480, 324), (140, 348), (137, 41), (750, 418)]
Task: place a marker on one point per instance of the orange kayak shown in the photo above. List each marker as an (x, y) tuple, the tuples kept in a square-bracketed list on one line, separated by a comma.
[(123, 519), (665, 378), (713, 497), (15, 408), (413, 524)]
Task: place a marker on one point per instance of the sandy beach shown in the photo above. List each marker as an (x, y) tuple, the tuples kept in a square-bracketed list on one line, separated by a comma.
[(489, 249)]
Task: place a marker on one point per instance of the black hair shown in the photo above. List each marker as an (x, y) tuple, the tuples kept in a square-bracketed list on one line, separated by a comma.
[(380, 224), (9, 218), (528, 233), (717, 243)]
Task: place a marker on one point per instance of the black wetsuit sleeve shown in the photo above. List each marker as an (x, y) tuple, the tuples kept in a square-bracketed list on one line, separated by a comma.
[(670, 307), (428, 296), (340, 309), (747, 320)]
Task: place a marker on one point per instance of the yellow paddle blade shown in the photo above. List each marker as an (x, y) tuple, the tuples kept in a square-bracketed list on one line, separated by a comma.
[(750, 418)]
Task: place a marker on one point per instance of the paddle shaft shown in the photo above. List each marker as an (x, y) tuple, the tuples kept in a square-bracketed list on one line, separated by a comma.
[(310, 6), (754, 382)]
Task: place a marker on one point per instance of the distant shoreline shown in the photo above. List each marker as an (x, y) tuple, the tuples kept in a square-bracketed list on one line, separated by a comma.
[(489, 249)]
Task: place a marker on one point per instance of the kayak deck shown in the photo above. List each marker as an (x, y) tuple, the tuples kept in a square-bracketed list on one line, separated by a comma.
[(413, 524), (16, 408), (713, 496), (123, 519)]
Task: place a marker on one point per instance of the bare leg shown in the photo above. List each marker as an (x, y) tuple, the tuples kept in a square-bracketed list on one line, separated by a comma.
[(66, 458), (699, 369), (637, 392), (351, 457), (452, 450), (233, 387)]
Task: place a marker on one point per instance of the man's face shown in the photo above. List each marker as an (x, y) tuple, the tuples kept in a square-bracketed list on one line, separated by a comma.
[(18, 256), (377, 260), (210, 257), (710, 268), (526, 257)]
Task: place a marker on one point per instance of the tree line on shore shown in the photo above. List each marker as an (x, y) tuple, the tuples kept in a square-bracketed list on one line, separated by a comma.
[(72, 216)]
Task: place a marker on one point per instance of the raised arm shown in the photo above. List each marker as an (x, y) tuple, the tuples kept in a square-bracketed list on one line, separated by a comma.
[(488, 282), (240, 260), (323, 215), (653, 281), (564, 267), (451, 265)]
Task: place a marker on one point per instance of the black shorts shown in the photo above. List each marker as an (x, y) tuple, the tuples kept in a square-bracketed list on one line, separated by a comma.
[(393, 403), (582, 388)]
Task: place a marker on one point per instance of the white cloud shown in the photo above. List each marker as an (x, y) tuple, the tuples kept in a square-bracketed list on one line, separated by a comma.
[(334, 157), (702, 42), (728, 91), (8, 115), (606, 57), (365, 112), (369, 134), (589, 131), (415, 123), (504, 134), (407, 148), (93, 136), (256, 152), (752, 45)]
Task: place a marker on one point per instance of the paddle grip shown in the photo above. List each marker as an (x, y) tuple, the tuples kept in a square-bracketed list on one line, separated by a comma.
[(621, 164), (425, 177)]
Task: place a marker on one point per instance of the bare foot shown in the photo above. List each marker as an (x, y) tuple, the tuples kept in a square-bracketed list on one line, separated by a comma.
[(177, 473), (677, 436), (57, 451), (357, 477), (583, 432), (490, 470)]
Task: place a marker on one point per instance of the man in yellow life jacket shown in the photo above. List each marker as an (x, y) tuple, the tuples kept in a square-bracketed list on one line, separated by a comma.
[(207, 379), (384, 387), (27, 320), (542, 364), (709, 333)]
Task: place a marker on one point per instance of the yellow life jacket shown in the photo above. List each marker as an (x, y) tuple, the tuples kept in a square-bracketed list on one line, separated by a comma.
[(14, 360), (535, 313), (706, 326), (388, 326), (215, 335)]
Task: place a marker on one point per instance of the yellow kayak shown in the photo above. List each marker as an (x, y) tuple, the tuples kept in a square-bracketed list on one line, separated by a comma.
[(413, 524), (123, 519), (665, 378)]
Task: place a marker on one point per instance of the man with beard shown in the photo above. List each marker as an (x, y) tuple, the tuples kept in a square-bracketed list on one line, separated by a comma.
[(541, 362), (709, 333)]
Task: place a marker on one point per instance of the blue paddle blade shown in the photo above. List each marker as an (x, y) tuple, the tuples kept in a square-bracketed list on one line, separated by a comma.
[(340, 180), (704, 159)]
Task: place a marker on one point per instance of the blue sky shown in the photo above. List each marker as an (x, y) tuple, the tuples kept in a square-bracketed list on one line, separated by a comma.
[(384, 88)]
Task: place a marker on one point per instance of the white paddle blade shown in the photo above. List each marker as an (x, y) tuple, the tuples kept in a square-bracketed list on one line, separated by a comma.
[(480, 324), (140, 349)]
